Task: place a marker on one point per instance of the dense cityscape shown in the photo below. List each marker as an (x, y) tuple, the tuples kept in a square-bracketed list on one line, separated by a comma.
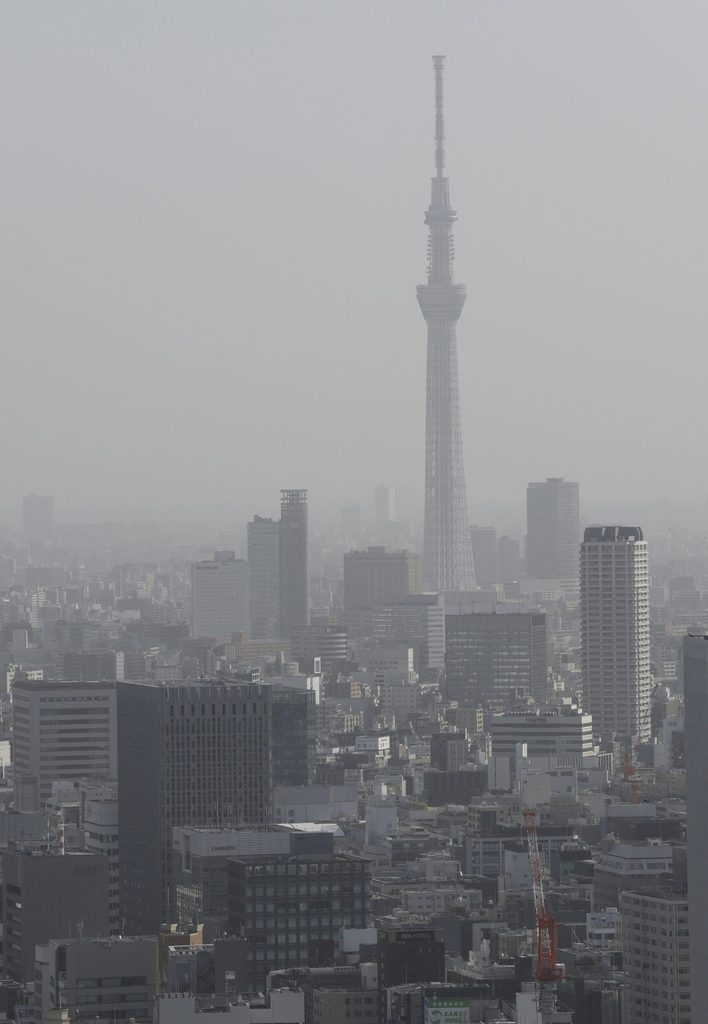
[(388, 769)]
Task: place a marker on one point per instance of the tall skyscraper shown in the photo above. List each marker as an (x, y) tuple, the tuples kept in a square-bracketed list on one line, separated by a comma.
[(695, 688), (553, 530), (386, 511), (62, 731), (221, 602), (484, 552), (447, 545), (264, 574), (294, 581), (197, 754), (614, 623), (38, 517)]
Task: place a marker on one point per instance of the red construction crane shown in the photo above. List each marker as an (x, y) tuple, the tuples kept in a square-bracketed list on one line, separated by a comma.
[(548, 972)]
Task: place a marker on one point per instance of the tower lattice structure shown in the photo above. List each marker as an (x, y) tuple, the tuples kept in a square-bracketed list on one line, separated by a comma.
[(447, 542)]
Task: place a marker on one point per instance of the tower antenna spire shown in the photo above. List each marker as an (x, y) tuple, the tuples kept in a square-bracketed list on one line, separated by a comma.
[(439, 67)]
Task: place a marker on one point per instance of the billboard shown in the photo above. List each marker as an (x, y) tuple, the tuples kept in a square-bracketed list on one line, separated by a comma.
[(447, 1011)]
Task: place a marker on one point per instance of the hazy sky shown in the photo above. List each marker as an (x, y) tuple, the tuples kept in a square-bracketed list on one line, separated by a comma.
[(212, 222)]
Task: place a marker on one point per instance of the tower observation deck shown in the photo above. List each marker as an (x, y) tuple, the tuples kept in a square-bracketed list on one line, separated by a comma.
[(447, 542)]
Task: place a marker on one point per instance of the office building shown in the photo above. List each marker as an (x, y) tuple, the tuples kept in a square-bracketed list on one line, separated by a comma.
[(416, 621), (484, 552), (549, 731), (655, 956), (386, 505), (97, 978), (221, 599), (614, 596), (495, 656), (625, 866), (264, 577), (294, 732), (45, 895), (328, 643), (62, 730), (291, 906), (448, 751), (377, 576), (197, 754), (510, 564), (99, 821), (294, 562), (408, 956), (695, 688), (447, 544), (38, 517), (82, 666), (552, 530)]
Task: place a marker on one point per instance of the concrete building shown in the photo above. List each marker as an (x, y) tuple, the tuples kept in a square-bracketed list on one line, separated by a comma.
[(448, 751), (221, 598), (552, 529), (614, 595), (314, 803), (45, 895), (276, 1006), (549, 731), (495, 656), (328, 643), (624, 866), (38, 517), (264, 577), (62, 730), (484, 550), (196, 754), (655, 954), (108, 979), (695, 687), (416, 621), (386, 659), (294, 562), (386, 505), (377, 576), (334, 893), (100, 824)]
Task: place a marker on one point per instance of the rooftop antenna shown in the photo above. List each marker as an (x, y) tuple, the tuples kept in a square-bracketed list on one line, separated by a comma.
[(439, 67)]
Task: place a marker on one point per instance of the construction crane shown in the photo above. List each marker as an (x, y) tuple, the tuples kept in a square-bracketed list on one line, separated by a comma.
[(548, 972)]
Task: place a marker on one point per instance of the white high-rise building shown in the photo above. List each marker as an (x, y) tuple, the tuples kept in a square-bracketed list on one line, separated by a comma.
[(221, 602), (61, 731), (655, 956), (614, 594)]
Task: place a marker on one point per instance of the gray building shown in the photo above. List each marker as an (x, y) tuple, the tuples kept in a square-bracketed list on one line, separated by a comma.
[(294, 732), (549, 731), (622, 867), (62, 731), (495, 656), (614, 626), (48, 895), (291, 907), (695, 688), (97, 978), (294, 562), (417, 621), (197, 754), (484, 551), (652, 985), (552, 529), (264, 568)]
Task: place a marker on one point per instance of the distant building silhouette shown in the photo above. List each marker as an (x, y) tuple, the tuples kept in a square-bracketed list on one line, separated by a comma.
[(386, 505), (553, 530), (484, 551), (221, 602), (294, 561), (38, 517), (264, 577)]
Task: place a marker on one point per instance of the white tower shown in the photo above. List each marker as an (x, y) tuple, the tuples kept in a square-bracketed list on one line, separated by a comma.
[(447, 544)]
